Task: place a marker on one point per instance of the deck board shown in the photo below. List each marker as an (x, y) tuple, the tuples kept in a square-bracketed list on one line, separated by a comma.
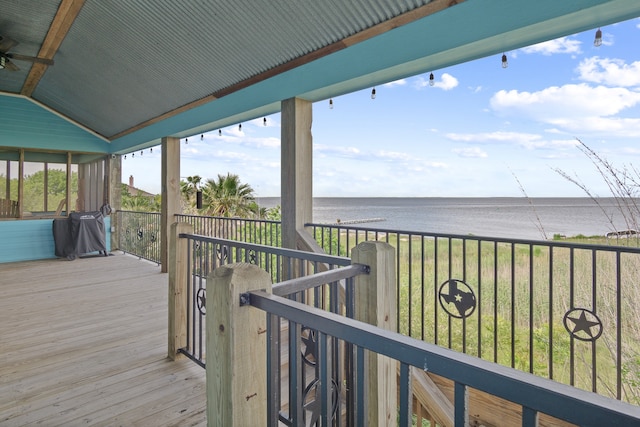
[(84, 342)]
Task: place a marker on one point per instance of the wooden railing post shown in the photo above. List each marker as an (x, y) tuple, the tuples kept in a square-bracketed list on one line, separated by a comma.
[(178, 288), (375, 303), (236, 348)]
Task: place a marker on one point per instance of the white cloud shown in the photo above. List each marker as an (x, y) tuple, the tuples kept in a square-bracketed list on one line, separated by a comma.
[(326, 150), (611, 72), (500, 137), (394, 83), (446, 82), (529, 141), (608, 126), (471, 152), (558, 105), (561, 45), (393, 156)]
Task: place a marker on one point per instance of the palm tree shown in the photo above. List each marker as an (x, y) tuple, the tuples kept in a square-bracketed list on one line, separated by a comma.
[(188, 189), (228, 197)]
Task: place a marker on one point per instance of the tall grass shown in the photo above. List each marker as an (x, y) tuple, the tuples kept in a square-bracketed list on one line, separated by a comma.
[(523, 292)]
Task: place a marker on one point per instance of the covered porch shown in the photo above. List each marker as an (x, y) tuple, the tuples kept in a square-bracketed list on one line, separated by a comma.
[(88, 344), (85, 343)]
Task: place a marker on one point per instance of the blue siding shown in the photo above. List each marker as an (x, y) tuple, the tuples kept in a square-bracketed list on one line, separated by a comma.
[(31, 239), (25, 124)]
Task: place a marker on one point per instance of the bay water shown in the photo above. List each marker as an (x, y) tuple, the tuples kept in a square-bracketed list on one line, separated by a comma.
[(510, 217)]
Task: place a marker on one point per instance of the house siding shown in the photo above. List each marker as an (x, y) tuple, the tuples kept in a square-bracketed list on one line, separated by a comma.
[(32, 239)]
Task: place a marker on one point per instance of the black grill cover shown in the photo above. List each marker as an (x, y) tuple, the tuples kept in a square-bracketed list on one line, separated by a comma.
[(81, 233), (62, 238)]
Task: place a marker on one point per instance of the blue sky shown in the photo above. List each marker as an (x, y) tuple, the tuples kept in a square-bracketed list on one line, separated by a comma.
[(470, 135)]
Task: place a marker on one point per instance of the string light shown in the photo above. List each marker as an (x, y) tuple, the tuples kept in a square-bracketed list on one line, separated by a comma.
[(597, 42), (201, 137), (133, 155), (186, 140), (505, 64), (331, 104), (240, 127), (141, 152), (151, 150), (125, 157), (264, 121), (373, 93), (219, 132), (432, 79)]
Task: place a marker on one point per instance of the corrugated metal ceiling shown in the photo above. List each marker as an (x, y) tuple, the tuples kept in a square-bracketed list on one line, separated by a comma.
[(134, 71), (144, 58)]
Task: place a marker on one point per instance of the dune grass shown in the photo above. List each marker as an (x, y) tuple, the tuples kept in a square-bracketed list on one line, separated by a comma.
[(523, 292)]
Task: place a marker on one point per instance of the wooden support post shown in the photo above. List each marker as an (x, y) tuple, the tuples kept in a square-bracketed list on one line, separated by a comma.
[(67, 196), (375, 303), (236, 348), (21, 185), (170, 194), (296, 169), (114, 191), (178, 282)]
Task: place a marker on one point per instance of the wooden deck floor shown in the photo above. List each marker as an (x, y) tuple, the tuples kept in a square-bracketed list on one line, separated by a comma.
[(84, 343)]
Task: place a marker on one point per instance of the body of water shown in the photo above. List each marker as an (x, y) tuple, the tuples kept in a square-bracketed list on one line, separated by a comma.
[(517, 217)]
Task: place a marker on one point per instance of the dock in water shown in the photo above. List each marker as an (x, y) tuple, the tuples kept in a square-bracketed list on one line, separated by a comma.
[(359, 221)]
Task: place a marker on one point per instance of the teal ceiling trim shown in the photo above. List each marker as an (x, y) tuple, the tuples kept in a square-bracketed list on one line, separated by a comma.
[(464, 32), (26, 124)]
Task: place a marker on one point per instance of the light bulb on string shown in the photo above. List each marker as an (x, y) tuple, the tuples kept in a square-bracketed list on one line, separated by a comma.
[(186, 140), (151, 150), (597, 42), (125, 157), (240, 127), (141, 152), (373, 93), (505, 63), (201, 137), (331, 104), (432, 79), (133, 155), (219, 132), (264, 121)]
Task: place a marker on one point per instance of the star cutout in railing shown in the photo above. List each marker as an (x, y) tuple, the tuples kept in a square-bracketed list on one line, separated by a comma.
[(583, 329), (310, 346)]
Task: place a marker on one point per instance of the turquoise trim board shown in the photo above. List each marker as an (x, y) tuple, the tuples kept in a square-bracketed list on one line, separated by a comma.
[(30, 240), (26, 124)]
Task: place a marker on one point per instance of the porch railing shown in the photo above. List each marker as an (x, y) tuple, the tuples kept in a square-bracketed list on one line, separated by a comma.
[(259, 231), (139, 234), (205, 254), (535, 395), (559, 310)]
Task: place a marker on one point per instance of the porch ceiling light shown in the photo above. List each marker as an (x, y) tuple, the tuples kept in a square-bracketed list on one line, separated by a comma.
[(598, 40)]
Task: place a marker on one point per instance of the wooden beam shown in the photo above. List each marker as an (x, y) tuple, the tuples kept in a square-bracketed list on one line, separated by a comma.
[(67, 13), (235, 352), (400, 20), (21, 185), (296, 169), (178, 293), (170, 188), (375, 303)]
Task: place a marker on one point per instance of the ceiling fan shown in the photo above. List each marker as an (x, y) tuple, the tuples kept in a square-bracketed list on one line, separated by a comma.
[(6, 44)]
